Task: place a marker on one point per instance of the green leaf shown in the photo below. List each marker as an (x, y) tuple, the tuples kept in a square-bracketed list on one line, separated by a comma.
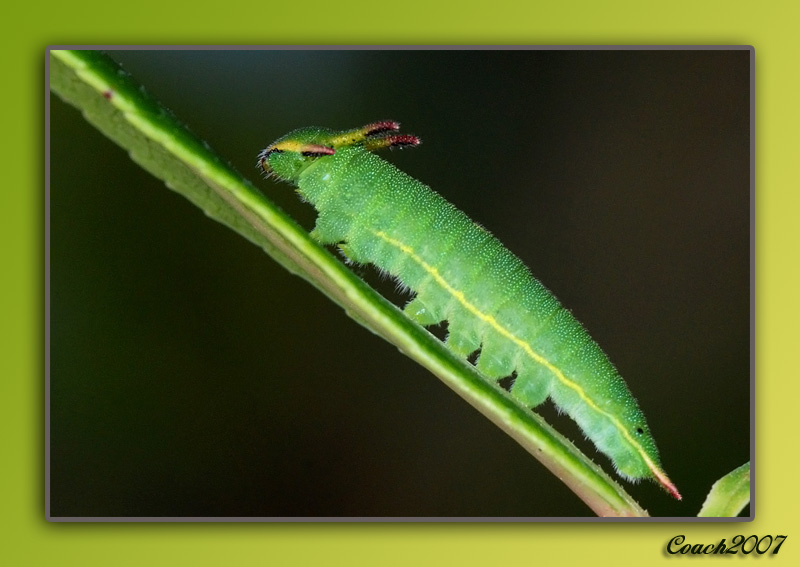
[(729, 495), (123, 111)]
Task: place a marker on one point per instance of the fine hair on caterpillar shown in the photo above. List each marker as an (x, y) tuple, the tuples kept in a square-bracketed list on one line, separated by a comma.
[(458, 272)]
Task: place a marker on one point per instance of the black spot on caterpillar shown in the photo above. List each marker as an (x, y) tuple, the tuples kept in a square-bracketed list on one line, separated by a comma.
[(460, 273)]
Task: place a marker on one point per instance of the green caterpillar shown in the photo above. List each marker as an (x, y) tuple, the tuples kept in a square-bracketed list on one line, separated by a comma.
[(462, 274)]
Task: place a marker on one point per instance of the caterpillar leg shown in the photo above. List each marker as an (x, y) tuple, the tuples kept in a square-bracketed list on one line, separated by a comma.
[(495, 362), (531, 389), (350, 255), (419, 312), (329, 229), (463, 339)]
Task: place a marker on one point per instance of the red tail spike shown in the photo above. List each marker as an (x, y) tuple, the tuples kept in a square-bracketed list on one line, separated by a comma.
[(662, 478), (672, 489)]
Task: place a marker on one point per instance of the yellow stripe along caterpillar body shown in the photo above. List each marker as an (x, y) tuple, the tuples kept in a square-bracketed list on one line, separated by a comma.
[(460, 273)]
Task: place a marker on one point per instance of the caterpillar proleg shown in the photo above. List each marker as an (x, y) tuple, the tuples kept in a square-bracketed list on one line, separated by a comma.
[(461, 274)]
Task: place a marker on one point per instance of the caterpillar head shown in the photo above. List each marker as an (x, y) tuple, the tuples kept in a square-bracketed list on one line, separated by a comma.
[(289, 156)]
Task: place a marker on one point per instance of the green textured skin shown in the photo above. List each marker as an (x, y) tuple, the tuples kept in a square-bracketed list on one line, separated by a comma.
[(359, 195)]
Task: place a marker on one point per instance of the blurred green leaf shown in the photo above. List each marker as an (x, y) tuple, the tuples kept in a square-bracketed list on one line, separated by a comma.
[(729, 495)]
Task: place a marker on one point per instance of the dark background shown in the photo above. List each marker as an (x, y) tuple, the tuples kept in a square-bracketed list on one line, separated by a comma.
[(192, 376)]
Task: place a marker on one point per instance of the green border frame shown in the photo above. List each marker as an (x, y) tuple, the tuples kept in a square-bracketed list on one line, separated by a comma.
[(769, 28)]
